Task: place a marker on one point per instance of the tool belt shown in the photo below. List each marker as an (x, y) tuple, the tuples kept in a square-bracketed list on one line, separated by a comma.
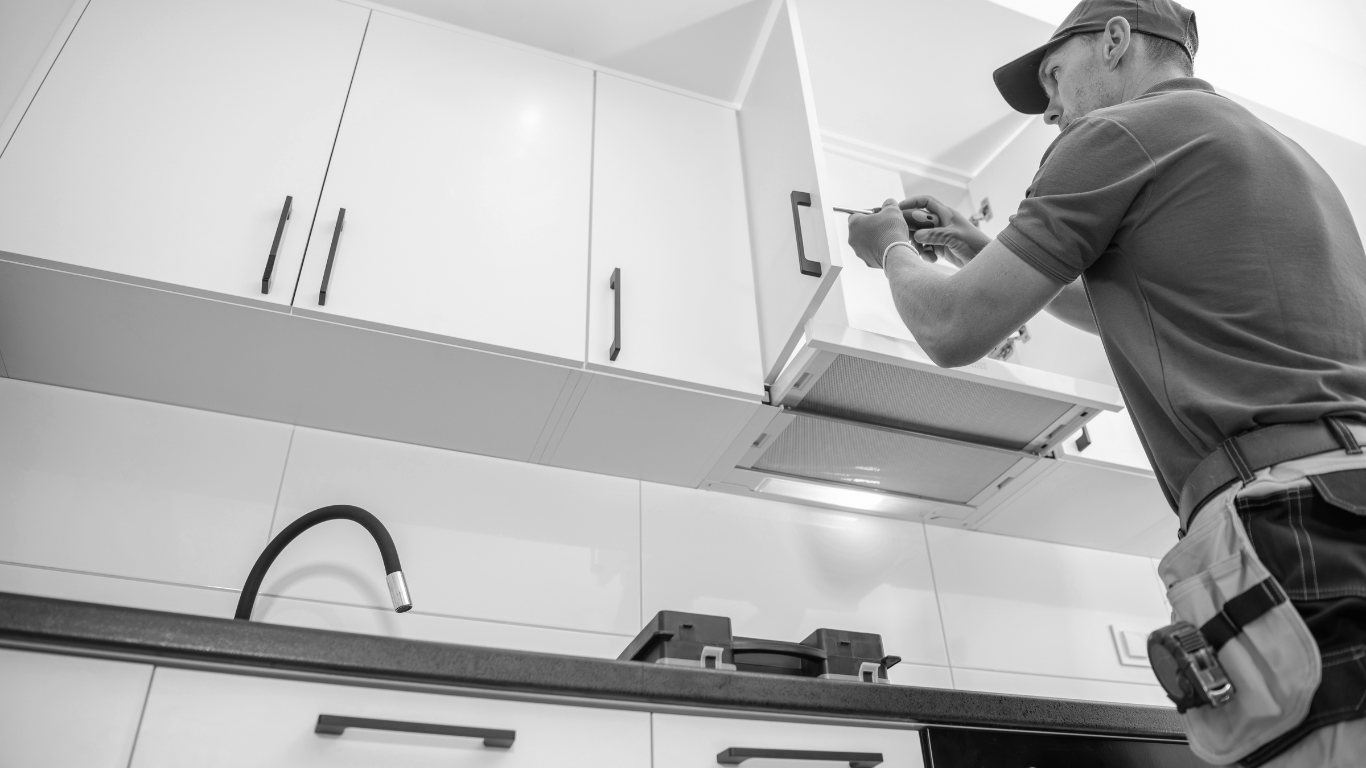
[(1239, 660), (1240, 457)]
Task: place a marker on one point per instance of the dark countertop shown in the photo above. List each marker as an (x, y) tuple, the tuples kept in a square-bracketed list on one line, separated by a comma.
[(174, 637)]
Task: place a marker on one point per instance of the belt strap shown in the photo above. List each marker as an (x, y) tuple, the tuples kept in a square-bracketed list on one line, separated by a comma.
[(1240, 611), (1240, 457)]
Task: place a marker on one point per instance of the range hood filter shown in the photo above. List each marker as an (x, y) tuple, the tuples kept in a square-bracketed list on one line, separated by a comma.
[(867, 457), (873, 392)]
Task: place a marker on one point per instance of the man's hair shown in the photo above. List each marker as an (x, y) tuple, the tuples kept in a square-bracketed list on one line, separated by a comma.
[(1160, 50)]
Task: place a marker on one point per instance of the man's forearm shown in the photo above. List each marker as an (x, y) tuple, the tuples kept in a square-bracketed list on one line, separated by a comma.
[(1072, 306), (958, 318)]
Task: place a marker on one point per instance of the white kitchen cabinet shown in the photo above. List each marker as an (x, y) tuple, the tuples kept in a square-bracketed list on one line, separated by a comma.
[(681, 741), (464, 166), (795, 260), (479, 538), (206, 719), (60, 711), (670, 233), (1015, 605), (630, 428), (781, 571), (108, 485), (167, 136)]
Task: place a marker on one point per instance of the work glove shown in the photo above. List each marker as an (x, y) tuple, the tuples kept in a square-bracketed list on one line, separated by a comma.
[(871, 234)]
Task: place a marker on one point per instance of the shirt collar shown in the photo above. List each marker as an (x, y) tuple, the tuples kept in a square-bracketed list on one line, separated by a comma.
[(1180, 84)]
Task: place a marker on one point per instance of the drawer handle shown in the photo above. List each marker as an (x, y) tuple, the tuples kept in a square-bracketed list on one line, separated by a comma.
[(335, 725), (268, 276), (807, 266), (616, 316), (331, 256), (737, 755)]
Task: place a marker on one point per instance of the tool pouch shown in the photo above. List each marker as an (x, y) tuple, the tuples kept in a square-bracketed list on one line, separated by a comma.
[(1272, 660)]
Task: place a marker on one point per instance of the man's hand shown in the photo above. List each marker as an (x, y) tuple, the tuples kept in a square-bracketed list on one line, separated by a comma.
[(957, 241), (870, 234)]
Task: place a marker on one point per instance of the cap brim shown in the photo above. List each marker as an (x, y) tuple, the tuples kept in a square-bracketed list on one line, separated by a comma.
[(1018, 82)]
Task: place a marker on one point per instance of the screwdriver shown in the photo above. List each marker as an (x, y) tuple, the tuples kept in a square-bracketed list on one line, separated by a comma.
[(916, 218)]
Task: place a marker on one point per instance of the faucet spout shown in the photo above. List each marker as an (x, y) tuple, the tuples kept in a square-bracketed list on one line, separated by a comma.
[(398, 585)]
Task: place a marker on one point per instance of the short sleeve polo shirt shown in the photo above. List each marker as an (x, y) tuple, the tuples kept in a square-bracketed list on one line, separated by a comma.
[(1226, 275)]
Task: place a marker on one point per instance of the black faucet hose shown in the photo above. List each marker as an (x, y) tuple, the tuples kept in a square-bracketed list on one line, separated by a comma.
[(387, 552)]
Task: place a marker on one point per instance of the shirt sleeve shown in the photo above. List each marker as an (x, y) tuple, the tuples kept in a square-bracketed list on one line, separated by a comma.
[(1088, 180)]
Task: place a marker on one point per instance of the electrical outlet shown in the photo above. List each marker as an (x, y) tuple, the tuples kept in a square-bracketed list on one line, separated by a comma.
[(1131, 646)]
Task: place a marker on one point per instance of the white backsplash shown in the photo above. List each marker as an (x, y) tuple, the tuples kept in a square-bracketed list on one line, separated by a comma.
[(153, 506)]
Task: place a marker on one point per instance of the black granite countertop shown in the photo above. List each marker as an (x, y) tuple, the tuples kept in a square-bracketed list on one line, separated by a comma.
[(173, 637)]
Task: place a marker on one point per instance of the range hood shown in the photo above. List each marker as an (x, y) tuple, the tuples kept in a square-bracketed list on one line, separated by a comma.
[(866, 421)]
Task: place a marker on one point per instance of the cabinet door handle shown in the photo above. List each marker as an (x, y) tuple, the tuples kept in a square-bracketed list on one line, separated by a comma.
[(268, 276), (335, 725), (616, 316), (737, 755), (331, 256), (807, 266)]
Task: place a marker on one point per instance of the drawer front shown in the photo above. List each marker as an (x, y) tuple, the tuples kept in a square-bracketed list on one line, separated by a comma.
[(696, 742), (58, 711), (208, 719)]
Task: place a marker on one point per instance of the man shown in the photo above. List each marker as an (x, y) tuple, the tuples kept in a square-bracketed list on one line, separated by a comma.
[(1223, 272)]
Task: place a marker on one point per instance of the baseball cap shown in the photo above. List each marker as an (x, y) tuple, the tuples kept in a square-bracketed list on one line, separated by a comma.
[(1018, 81)]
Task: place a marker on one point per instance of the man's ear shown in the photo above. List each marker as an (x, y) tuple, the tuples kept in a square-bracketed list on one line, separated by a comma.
[(1116, 39)]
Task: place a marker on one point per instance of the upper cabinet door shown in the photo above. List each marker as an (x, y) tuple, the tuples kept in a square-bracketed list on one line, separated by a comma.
[(169, 133), (669, 223), (463, 165), (795, 261)]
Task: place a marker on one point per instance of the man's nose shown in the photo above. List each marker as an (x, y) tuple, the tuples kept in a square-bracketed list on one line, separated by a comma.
[(1053, 115)]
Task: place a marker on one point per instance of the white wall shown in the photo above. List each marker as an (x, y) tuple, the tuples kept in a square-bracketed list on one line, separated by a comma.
[(26, 29), (153, 506)]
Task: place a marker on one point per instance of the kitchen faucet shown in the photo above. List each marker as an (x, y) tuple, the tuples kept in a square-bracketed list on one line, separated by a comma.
[(398, 586)]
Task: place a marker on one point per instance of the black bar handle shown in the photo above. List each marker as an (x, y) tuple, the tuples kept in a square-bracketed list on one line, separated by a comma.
[(334, 725), (616, 319), (752, 645), (331, 256), (268, 277), (737, 755), (807, 266)]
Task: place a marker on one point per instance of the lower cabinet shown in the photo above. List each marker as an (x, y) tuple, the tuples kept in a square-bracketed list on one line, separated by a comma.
[(63, 711), (682, 741), (209, 719)]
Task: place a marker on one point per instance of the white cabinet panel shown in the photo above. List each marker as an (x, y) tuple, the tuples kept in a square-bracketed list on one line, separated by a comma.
[(647, 431), (669, 212), (124, 487), (463, 165), (780, 144), (63, 711), (204, 719), (479, 537), (27, 28), (1090, 504), (166, 137), (694, 742), (780, 571), (1015, 605)]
